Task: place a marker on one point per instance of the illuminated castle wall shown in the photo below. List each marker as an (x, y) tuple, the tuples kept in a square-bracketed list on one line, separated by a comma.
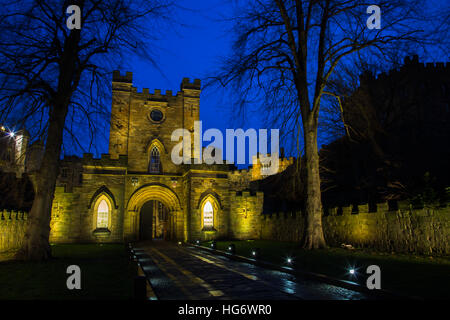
[(103, 200)]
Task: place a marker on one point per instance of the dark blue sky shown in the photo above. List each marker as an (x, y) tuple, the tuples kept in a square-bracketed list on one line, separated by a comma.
[(192, 48)]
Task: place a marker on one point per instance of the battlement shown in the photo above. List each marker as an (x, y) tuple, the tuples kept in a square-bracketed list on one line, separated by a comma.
[(12, 229), (414, 61), (247, 194), (186, 84), (382, 207), (239, 172), (127, 78), (157, 95), (6, 215), (391, 206), (255, 169), (256, 158), (105, 160), (410, 63), (383, 227)]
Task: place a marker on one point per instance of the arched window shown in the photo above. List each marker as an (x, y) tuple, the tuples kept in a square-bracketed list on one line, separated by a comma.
[(102, 215), (208, 215), (155, 163)]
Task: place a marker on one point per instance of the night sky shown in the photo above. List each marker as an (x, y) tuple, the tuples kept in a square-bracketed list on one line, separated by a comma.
[(191, 48)]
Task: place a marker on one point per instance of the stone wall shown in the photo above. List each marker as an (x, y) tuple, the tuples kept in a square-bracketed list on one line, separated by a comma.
[(423, 231), (213, 186), (12, 229), (245, 215)]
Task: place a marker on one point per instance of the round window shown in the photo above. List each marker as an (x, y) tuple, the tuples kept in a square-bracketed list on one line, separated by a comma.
[(156, 115)]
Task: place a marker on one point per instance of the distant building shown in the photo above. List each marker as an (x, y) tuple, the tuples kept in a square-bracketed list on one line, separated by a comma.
[(398, 135), (13, 149)]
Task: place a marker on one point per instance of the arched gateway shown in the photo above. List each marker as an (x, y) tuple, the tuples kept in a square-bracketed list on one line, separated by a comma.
[(155, 192)]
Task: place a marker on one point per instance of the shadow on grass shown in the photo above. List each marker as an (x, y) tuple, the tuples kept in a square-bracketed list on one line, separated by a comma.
[(106, 273)]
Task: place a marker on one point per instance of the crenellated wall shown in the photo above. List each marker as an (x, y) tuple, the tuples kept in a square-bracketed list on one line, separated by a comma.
[(422, 231), (12, 229), (240, 179)]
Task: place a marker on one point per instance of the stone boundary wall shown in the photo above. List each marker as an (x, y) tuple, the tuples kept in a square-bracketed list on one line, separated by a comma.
[(421, 231), (12, 229)]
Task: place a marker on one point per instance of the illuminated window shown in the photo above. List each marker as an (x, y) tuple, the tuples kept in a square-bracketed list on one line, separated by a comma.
[(155, 164), (102, 215), (208, 215)]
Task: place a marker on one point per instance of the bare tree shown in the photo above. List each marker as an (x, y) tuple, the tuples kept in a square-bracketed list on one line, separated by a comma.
[(49, 71), (284, 54)]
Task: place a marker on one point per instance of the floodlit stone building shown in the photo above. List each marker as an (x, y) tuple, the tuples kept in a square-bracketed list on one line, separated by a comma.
[(136, 192)]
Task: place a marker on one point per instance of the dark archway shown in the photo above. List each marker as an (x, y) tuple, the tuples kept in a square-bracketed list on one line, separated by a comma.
[(164, 194), (156, 222)]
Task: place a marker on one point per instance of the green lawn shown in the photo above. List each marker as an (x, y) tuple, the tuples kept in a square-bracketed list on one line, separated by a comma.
[(106, 273), (411, 275)]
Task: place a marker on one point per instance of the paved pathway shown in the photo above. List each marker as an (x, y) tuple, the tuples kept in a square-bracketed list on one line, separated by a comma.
[(186, 273)]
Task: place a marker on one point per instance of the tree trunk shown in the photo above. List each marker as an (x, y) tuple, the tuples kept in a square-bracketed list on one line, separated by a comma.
[(313, 238), (36, 241)]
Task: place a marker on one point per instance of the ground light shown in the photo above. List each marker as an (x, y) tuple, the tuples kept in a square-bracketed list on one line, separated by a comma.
[(352, 273), (255, 253), (213, 245), (289, 260), (180, 243), (197, 242), (232, 248)]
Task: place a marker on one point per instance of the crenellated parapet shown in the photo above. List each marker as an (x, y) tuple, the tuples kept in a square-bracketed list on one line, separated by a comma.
[(411, 64), (157, 95), (240, 179), (261, 169), (385, 226), (7, 215), (12, 229), (104, 161), (126, 78), (187, 84)]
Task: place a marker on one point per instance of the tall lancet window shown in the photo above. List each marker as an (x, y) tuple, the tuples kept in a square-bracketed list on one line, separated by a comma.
[(102, 215), (208, 215), (155, 163)]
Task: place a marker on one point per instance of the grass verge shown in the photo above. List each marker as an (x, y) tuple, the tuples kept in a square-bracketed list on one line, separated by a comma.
[(412, 275), (106, 273)]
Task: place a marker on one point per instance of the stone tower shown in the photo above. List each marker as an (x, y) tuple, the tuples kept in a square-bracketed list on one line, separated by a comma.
[(120, 112), (141, 121)]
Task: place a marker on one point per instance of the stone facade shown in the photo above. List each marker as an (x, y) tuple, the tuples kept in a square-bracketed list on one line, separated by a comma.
[(102, 200)]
